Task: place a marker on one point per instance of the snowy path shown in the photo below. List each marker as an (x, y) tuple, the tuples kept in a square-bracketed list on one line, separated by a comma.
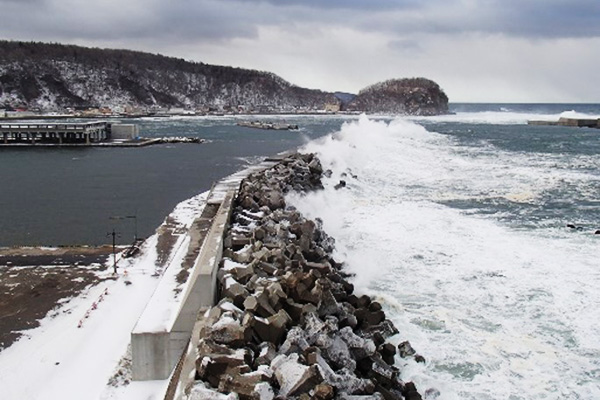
[(60, 360)]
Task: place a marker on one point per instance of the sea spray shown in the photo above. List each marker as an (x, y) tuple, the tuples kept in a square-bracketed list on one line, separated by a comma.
[(464, 245)]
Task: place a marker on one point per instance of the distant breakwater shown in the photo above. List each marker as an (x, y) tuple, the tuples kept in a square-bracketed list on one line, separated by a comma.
[(288, 323)]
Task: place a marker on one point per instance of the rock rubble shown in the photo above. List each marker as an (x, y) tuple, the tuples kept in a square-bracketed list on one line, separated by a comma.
[(288, 324)]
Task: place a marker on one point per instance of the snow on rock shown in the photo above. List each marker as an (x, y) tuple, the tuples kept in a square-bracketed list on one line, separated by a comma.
[(201, 392), (288, 372), (263, 391)]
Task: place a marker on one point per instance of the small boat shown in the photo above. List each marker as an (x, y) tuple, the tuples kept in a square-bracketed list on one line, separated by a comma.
[(278, 126)]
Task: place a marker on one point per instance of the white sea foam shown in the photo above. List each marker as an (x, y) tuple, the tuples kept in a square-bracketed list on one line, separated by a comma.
[(575, 114), (502, 117), (498, 311)]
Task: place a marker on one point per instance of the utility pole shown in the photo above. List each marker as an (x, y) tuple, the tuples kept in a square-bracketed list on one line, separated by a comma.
[(135, 236), (114, 236)]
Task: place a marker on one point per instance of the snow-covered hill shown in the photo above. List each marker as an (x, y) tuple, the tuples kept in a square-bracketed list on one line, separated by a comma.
[(53, 76)]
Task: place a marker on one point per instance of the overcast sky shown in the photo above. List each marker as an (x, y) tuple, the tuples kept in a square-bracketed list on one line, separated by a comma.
[(477, 50)]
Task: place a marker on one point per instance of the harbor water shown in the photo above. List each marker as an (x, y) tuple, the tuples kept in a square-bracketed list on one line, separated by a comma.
[(75, 196)]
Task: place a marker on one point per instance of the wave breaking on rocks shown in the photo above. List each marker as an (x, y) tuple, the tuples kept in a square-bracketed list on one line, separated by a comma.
[(288, 323)]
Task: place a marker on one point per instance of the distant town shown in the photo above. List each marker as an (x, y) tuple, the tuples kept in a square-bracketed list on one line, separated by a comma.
[(137, 112)]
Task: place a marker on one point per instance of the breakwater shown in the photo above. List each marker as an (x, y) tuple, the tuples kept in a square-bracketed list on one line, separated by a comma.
[(574, 122), (277, 126), (287, 322)]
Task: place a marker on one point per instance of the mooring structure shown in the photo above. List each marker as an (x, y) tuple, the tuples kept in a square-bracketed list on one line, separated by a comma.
[(58, 133)]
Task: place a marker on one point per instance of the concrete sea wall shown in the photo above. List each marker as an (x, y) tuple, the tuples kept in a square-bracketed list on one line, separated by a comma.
[(163, 330)]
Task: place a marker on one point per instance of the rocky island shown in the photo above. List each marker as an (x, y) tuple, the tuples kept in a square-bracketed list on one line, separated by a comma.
[(414, 96), (42, 78)]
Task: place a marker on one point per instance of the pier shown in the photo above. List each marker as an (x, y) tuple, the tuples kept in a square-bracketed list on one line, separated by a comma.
[(63, 133), (93, 134)]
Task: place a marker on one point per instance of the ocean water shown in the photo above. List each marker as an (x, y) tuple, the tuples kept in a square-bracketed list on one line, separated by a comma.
[(457, 224)]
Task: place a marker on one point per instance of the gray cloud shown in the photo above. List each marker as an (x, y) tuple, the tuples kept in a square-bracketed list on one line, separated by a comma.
[(222, 20), (341, 4), (4, 2), (152, 20), (551, 18), (406, 46), (520, 18), (526, 19)]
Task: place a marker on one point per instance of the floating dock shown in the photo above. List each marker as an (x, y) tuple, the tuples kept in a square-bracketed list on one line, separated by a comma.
[(575, 122)]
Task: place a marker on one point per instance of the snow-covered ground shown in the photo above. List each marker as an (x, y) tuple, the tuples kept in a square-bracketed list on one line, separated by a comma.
[(77, 351)]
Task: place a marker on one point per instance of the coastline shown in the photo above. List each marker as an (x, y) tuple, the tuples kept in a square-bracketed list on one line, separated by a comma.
[(140, 116)]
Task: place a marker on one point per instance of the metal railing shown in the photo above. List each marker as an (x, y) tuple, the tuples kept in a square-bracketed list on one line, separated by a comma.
[(32, 128)]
